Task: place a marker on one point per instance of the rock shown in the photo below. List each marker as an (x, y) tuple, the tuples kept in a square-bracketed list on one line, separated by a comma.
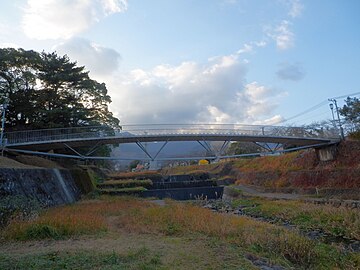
[(355, 246)]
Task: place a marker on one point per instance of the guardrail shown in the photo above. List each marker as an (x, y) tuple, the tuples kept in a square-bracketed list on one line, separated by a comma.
[(28, 136)]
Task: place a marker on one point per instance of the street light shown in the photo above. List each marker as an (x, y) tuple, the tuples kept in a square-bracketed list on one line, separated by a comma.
[(334, 102)]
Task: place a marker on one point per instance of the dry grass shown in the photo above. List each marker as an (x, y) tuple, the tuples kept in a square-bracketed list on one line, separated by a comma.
[(84, 218), (299, 169), (139, 216), (192, 169), (128, 183), (57, 223), (183, 219), (339, 221), (134, 175), (179, 219), (284, 163)]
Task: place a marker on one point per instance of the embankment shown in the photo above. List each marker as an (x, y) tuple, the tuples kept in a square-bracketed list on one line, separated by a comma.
[(49, 187), (49, 184), (299, 172)]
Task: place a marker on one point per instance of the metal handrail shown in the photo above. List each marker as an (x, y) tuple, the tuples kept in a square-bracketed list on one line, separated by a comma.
[(28, 136)]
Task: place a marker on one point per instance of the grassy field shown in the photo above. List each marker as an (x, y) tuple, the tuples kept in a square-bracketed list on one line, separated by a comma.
[(336, 221), (136, 259), (129, 233)]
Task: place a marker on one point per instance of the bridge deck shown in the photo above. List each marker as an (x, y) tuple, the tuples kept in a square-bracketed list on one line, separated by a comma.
[(39, 142), (77, 142)]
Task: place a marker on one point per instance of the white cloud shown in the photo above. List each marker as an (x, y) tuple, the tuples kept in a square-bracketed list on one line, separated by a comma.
[(282, 35), (276, 119), (261, 43), (217, 115), (5, 35), (215, 92), (251, 46), (296, 8), (246, 48), (9, 45), (259, 97), (59, 19), (99, 60), (256, 91), (114, 6)]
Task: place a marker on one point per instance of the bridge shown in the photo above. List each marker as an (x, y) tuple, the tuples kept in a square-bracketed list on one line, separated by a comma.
[(273, 139)]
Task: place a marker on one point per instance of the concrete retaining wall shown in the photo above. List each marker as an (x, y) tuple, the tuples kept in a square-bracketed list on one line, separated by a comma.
[(48, 186), (186, 193)]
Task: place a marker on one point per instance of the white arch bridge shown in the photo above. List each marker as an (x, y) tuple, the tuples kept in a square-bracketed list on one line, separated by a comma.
[(273, 139)]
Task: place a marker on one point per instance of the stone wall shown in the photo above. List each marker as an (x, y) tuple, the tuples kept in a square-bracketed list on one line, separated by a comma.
[(50, 187)]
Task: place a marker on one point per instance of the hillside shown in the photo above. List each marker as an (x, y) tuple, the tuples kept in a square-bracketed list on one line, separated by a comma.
[(293, 172)]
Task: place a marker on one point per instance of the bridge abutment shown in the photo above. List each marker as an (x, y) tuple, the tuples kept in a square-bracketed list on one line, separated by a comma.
[(327, 153)]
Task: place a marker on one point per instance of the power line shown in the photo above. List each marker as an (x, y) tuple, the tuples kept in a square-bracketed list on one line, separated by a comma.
[(348, 95), (311, 117), (305, 112), (315, 107)]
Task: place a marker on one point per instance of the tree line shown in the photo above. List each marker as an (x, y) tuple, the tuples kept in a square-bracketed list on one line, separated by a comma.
[(45, 90)]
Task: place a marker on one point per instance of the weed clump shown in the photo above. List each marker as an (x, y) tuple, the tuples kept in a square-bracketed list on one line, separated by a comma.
[(40, 231)]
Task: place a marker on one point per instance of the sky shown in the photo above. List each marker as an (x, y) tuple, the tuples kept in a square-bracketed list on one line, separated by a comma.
[(201, 61)]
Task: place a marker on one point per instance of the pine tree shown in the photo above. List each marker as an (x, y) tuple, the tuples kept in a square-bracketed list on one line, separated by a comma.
[(47, 91)]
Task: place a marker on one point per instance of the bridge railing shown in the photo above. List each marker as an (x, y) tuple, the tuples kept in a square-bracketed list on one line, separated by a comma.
[(59, 134), (236, 129), (56, 134)]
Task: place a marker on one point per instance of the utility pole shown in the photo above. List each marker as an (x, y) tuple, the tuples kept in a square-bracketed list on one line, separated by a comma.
[(338, 116), (2, 142), (332, 113)]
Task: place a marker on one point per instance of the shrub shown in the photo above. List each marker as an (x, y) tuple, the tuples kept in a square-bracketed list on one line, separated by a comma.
[(17, 207), (40, 231)]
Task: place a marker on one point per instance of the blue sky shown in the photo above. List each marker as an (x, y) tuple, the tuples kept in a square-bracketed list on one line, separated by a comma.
[(214, 61)]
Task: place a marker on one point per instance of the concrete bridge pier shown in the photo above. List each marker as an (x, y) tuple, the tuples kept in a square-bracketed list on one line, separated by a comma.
[(327, 153)]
